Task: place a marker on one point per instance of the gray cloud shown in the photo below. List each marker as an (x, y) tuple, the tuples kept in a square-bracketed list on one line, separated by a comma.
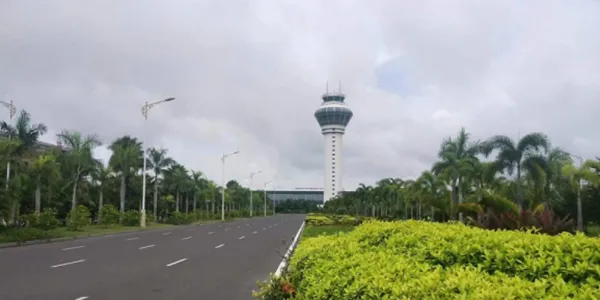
[(248, 75)]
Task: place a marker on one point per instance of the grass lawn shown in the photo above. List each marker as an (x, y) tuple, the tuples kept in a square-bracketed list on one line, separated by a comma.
[(313, 231)]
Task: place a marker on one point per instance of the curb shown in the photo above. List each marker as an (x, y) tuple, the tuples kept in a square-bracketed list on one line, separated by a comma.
[(288, 254)]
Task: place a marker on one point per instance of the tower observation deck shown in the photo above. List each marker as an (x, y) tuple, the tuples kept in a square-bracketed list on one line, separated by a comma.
[(333, 117)]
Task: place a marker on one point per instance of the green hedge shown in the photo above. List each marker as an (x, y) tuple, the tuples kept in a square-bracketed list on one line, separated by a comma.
[(421, 260), (326, 220)]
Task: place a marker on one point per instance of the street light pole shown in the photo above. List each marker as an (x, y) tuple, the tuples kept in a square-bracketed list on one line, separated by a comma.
[(12, 110), (265, 191), (223, 181), (145, 108), (252, 175)]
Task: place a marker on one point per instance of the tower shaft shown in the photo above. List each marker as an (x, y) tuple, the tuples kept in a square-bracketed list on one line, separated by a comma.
[(333, 163)]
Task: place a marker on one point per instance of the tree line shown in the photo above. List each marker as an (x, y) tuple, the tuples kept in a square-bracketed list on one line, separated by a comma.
[(67, 176), (476, 176)]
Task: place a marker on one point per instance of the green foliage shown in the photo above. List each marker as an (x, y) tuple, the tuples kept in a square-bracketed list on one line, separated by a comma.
[(423, 260), (276, 288), (131, 218), (110, 215), (78, 218), (541, 220), (327, 220), (46, 220)]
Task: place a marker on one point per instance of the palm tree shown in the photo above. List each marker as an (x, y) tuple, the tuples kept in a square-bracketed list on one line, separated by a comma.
[(79, 157), (199, 185), (45, 167), (576, 175), (126, 159), (158, 161), (28, 135), (178, 177), (102, 175), (458, 156), (520, 156)]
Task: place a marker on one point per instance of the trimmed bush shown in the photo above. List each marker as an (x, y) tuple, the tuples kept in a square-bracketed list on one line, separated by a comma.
[(109, 215), (421, 260), (78, 218), (131, 218)]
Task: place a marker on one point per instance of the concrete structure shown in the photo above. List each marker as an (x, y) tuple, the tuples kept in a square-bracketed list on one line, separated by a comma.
[(315, 195), (333, 117)]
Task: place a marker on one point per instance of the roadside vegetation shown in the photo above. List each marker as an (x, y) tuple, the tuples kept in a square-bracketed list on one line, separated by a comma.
[(492, 219), (57, 191)]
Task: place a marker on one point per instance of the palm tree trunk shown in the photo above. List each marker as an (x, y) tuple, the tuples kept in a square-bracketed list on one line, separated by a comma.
[(38, 197), (579, 211), (100, 203), (122, 194), (74, 198), (519, 192), (460, 199), (155, 203), (177, 202)]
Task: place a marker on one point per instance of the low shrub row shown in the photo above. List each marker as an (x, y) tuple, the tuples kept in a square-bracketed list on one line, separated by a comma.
[(422, 260), (327, 220)]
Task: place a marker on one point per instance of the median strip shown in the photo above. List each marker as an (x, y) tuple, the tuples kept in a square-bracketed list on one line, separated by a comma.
[(68, 263), (72, 248), (146, 247), (217, 247), (177, 262)]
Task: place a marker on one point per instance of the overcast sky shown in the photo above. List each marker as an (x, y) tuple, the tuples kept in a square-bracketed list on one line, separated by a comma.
[(248, 75)]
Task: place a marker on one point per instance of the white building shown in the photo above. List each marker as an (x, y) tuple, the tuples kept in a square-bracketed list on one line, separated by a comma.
[(333, 117)]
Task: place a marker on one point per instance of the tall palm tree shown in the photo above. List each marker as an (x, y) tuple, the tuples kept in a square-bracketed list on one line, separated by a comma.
[(199, 184), (28, 134), (79, 158), (126, 159), (519, 156), (576, 175), (178, 180), (458, 156), (158, 161), (44, 168), (101, 175)]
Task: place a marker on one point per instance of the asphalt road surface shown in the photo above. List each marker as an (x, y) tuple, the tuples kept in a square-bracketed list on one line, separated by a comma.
[(220, 261)]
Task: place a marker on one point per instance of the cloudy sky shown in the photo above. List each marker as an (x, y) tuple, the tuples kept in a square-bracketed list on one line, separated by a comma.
[(248, 75)]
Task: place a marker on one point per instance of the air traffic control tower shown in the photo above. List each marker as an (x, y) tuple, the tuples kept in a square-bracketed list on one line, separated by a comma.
[(333, 117)]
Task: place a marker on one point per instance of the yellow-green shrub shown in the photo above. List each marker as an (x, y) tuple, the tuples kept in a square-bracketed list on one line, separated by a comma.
[(420, 260)]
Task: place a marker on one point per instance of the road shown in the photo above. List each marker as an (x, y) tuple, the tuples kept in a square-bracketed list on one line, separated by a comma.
[(209, 261)]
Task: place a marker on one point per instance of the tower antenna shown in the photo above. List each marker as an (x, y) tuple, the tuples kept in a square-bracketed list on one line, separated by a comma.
[(340, 87), (327, 87)]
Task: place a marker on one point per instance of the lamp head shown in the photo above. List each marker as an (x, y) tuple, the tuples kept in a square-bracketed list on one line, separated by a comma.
[(169, 99)]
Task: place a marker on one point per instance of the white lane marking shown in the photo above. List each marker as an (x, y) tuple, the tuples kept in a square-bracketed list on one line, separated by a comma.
[(186, 238), (247, 225), (177, 262), (264, 228), (286, 257), (275, 224), (211, 232), (146, 247), (82, 298), (217, 247), (191, 229), (254, 232), (72, 248), (133, 239), (68, 263), (241, 237), (166, 233), (270, 226), (238, 226), (226, 229)]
